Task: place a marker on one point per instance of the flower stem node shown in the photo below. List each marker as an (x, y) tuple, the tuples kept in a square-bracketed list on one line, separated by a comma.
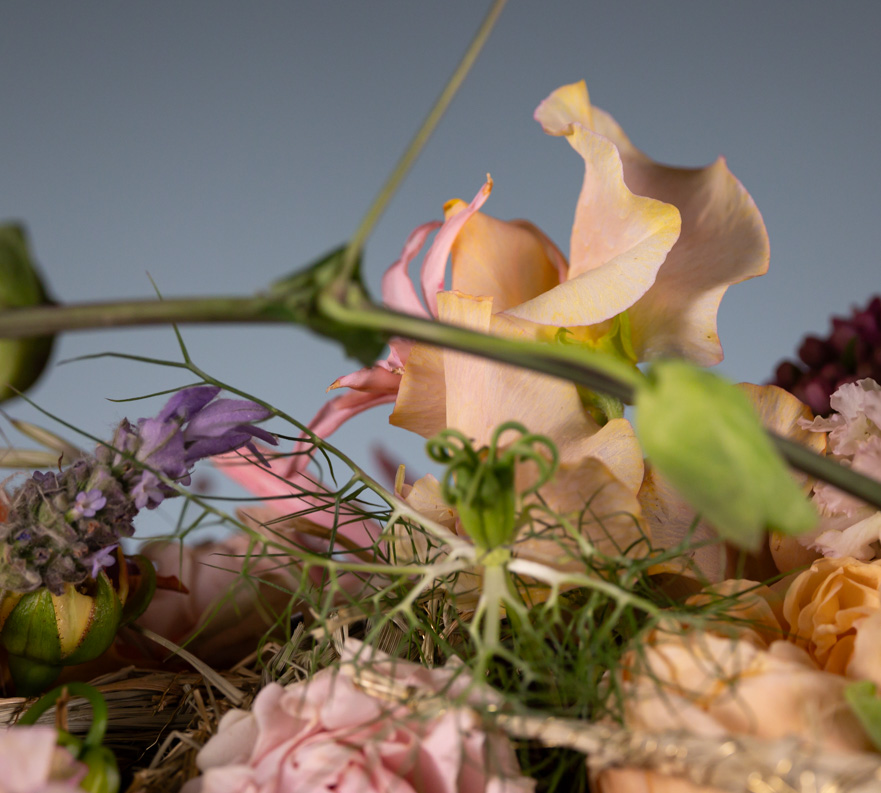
[(480, 483)]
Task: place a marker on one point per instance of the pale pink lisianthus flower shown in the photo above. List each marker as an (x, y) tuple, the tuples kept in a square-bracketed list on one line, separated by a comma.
[(326, 734), (32, 762)]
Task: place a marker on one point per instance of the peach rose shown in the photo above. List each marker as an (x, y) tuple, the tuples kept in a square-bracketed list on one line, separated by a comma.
[(327, 734), (715, 685), (635, 780), (827, 605)]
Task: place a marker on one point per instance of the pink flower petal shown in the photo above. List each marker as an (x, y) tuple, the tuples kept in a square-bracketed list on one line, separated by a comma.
[(398, 291), (434, 267)]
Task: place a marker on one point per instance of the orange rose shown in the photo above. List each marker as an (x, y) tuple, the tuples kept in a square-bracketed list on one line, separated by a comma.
[(827, 605)]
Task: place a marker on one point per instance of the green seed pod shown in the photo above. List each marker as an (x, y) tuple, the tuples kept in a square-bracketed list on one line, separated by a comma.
[(43, 632), (22, 361), (704, 437)]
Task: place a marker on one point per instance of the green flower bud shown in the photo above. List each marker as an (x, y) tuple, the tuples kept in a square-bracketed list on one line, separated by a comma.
[(21, 360), (704, 437), (43, 632), (480, 483)]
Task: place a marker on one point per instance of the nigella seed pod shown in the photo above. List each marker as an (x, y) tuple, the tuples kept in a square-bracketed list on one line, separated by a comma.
[(43, 632)]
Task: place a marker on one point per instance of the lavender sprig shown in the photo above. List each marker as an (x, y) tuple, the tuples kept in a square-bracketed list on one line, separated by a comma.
[(62, 527)]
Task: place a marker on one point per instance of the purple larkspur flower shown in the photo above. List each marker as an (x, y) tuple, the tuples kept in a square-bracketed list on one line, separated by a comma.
[(190, 427)]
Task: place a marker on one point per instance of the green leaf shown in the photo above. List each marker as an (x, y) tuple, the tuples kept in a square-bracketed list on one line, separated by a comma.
[(702, 434), (863, 700), (22, 361), (304, 287)]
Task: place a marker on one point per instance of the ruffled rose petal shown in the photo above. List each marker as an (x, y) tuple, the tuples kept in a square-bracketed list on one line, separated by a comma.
[(619, 239), (421, 405), (508, 261), (723, 242), (604, 510), (482, 394)]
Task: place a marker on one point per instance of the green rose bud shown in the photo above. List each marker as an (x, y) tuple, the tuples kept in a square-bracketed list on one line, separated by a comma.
[(21, 360), (704, 437)]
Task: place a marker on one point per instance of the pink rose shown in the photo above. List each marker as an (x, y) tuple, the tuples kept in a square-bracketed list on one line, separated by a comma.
[(31, 762), (327, 734)]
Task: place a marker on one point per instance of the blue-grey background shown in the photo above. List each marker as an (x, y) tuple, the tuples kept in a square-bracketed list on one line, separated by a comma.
[(217, 145)]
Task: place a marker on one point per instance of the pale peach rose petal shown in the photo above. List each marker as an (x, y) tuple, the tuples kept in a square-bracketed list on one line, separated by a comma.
[(635, 780), (619, 239), (678, 680), (421, 404), (505, 260), (827, 605), (600, 507), (723, 242), (482, 394)]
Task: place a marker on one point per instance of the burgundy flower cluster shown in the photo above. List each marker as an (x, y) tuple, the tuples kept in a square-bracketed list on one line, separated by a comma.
[(851, 352)]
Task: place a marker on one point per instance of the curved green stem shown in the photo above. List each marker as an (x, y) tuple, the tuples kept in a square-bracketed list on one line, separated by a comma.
[(100, 714), (592, 369), (16, 323), (379, 204)]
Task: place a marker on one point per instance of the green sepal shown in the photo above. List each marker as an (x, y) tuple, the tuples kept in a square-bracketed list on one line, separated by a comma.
[(30, 631), (306, 285), (703, 436), (31, 677), (144, 588), (22, 361), (863, 701), (106, 616)]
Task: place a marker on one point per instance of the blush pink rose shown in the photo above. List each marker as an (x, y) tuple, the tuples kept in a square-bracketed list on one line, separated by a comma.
[(327, 734), (32, 762)]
